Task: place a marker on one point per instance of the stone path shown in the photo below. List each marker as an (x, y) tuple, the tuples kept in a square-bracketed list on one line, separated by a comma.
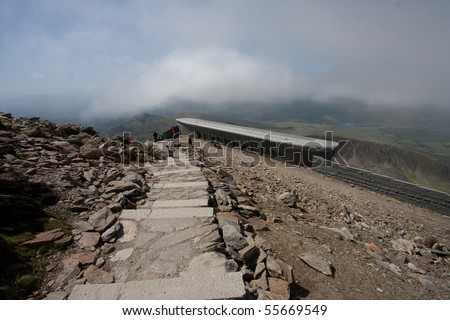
[(170, 248)]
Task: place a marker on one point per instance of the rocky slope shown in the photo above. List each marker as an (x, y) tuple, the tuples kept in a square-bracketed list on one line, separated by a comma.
[(61, 190), (343, 242)]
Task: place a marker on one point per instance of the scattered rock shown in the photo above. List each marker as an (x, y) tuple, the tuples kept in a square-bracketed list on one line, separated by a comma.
[(279, 289), (110, 233), (258, 224), (233, 238), (273, 268), (120, 186), (343, 232), (374, 251), (262, 281), (260, 268), (318, 263), (221, 197), (440, 253), (89, 239), (391, 267), (404, 245), (429, 241), (57, 295), (286, 271), (84, 226), (88, 258), (100, 262), (45, 238), (102, 219), (96, 276), (289, 199), (415, 268)]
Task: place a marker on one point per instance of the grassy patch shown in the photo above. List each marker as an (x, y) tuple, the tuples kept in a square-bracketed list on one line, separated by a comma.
[(22, 268)]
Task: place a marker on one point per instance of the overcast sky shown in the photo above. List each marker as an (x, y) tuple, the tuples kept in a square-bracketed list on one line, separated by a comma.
[(131, 56)]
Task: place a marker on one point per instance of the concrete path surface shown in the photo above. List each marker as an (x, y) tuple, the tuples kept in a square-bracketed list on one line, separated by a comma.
[(170, 248)]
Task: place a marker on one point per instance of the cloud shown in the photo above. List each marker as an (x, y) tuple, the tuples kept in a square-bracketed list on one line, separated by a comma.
[(37, 75), (208, 75), (143, 54)]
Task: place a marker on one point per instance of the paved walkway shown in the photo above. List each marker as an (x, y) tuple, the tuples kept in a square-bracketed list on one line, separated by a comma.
[(170, 246)]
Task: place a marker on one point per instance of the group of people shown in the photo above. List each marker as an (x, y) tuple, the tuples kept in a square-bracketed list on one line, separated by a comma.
[(171, 144)]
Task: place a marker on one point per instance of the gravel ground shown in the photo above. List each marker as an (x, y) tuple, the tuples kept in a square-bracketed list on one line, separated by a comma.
[(379, 247)]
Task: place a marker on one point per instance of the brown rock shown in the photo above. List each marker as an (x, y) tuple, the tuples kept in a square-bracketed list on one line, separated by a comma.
[(376, 252), (404, 245), (287, 271), (89, 239), (279, 289), (95, 275), (102, 219), (65, 240), (318, 263), (289, 199), (262, 281), (372, 247), (70, 269), (273, 267), (260, 267), (84, 226), (88, 258), (258, 224), (243, 200), (429, 241), (120, 186), (45, 237)]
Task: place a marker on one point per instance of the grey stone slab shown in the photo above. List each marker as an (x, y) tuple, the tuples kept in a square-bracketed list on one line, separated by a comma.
[(177, 171), (202, 202), (169, 225), (209, 263), (174, 213), (56, 295), (129, 230), (168, 185), (204, 287), (158, 268), (120, 273), (181, 236), (122, 254), (178, 252), (177, 194), (135, 214), (143, 238), (97, 291), (184, 178)]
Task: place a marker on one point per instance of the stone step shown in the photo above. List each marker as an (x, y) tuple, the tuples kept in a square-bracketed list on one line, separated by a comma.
[(135, 214), (179, 171), (167, 213), (199, 287), (177, 194), (180, 203), (180, 185), (182, 212)]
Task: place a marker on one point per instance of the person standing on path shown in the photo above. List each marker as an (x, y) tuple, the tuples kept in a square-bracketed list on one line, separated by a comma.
[(155, 136)]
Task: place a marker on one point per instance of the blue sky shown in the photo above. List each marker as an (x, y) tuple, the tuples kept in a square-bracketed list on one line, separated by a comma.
[(138, 55)]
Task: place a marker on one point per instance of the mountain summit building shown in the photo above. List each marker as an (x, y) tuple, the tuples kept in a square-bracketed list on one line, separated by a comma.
[(290, 148)]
